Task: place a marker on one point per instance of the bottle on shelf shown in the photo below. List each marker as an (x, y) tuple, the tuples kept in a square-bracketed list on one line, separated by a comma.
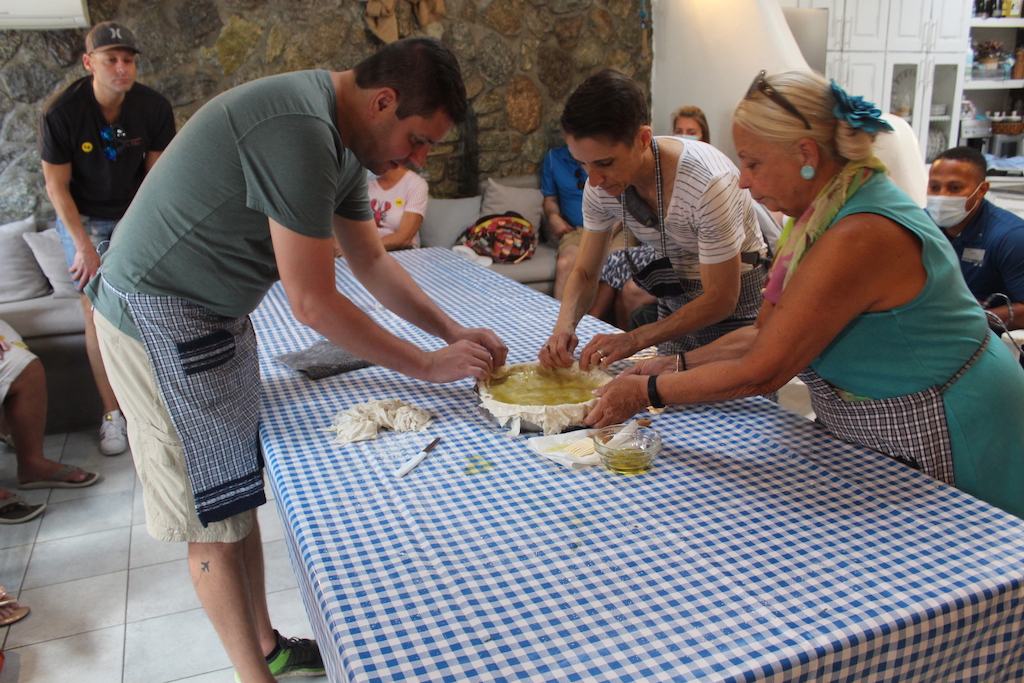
[(996, 9), (981, 9)]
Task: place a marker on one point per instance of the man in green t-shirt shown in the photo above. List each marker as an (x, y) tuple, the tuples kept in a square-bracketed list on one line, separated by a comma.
[(253, 189)]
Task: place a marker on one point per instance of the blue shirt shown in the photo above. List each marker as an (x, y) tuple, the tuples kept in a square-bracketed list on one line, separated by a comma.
[(991, 253), (562, 177)]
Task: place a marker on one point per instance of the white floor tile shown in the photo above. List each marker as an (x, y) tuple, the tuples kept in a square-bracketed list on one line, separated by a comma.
[(222, 676), (159, 590), (13, 563), (171, 648), (138, 504), (278, 567), (78, 557), (15, 535), (86, 515), (116, 474), (109, 603), (271, 528), (94, 657), (146, 550), (71, 608), (84, 442), (288, 615), (53, 445)]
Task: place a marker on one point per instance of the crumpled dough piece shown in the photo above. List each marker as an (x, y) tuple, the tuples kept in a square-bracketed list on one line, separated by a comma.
[(362, 421)]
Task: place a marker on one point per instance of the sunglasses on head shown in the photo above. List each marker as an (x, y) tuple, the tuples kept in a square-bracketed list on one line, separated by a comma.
[(115, 137), (760, 85), (581, 182)]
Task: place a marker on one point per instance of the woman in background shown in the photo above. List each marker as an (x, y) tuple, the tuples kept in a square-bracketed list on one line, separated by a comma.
[(399, 201), (690, 123), (865, 300)]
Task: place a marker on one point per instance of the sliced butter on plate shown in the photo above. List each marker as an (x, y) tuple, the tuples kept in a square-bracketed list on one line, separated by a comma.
[(563, 448)]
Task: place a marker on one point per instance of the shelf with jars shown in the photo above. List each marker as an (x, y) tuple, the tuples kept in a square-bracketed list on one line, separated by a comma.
[(995, 11), (996, 36)]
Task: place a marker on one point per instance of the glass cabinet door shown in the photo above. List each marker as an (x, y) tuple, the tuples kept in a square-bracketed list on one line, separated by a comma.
[(942, 98), (903, 95)]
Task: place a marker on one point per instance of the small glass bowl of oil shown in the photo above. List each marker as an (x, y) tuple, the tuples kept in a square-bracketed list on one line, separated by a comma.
[(634, 455)]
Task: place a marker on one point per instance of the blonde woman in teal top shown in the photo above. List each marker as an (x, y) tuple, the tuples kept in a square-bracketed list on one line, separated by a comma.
[(864, 300)]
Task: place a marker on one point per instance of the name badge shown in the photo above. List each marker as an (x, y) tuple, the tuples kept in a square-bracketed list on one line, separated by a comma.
[(973, 256)]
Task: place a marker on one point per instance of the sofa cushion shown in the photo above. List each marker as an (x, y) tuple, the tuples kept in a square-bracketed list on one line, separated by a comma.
[(44, 316), (49, 253), (20, 275), (537, 271), (500, 199), (445, 219)]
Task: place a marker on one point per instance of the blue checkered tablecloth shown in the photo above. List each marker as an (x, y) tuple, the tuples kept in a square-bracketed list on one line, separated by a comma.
[(757, 549)]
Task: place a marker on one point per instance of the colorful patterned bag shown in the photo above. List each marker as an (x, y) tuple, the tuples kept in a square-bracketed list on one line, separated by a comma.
[(505, 238)]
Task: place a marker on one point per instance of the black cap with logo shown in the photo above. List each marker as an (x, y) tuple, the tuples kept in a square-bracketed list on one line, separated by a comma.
[(109, 35)]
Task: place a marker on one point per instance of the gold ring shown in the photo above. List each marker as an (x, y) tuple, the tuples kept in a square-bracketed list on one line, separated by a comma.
[(602, 354)]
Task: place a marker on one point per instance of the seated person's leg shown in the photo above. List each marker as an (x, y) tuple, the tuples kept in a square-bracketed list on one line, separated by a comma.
[(23, 396), (568, 249), (631, 297), (604, 303)]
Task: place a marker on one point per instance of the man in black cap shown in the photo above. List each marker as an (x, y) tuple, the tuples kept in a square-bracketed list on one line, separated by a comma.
[(99, 137)]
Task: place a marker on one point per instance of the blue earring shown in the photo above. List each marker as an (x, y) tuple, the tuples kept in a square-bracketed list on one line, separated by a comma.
[(807, 172)]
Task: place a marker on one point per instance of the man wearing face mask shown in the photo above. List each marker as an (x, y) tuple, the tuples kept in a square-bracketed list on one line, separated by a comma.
[(989, 241)]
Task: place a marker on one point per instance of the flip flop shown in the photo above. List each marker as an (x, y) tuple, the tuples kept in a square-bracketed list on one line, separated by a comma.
[(17, 614), (56, 480), (15, 510)]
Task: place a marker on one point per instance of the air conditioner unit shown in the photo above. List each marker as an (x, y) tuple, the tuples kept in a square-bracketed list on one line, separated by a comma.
[(43, 14)]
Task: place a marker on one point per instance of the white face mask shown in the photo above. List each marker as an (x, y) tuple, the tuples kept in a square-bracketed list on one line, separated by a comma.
[(948, 211), (690, 137)]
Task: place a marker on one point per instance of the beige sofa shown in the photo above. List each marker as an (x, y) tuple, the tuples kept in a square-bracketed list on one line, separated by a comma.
[(38, 300), (445, 219)]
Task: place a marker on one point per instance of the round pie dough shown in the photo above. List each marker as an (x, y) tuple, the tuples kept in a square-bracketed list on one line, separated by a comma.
[(550, 419)]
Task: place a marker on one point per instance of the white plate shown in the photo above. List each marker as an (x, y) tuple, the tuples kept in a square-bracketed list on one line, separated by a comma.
[(553, 447)]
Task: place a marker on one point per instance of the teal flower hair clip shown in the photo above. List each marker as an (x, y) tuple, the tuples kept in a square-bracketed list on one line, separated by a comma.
[(857, 112)]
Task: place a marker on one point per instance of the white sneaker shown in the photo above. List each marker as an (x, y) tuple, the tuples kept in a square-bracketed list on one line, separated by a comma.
[(113, 433)]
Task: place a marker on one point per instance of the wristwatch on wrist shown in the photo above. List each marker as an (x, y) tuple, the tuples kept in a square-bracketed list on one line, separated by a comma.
[(652, 392)]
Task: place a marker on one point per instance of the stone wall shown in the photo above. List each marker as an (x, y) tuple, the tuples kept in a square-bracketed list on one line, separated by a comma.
[(520, 60)]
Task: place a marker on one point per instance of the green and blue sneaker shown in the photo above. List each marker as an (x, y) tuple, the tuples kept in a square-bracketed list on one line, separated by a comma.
[(294, 657)]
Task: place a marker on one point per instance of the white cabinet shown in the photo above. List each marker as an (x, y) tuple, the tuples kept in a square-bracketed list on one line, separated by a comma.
[(852, 24), (907, 56), (860, 73), (936, 26), (924, 89), (908, 26), (950, 27), (865, 24)]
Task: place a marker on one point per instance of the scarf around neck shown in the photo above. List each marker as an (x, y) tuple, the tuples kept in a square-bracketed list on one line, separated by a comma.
[(799, 235)]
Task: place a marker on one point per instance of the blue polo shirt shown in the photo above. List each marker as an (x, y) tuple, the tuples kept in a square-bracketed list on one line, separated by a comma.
[(991, 253), (562, 177)]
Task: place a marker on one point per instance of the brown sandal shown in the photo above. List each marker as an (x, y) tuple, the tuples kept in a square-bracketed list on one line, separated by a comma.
[(17, 614), (15, 510)]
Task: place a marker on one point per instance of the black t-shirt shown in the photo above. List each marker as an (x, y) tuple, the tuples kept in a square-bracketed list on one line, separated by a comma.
[(71, 132)]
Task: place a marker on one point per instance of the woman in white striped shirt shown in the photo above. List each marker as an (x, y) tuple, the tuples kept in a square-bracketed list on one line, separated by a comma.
[(681, 197)]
